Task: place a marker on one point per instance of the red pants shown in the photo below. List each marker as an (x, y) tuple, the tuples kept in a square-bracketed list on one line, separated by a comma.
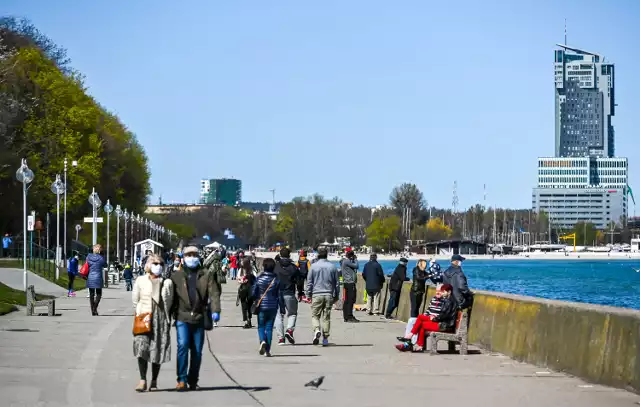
[(422, 326)]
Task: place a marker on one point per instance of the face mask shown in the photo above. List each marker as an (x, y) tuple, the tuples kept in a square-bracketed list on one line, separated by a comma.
[(191, 262), (176, 264), (156, 269)]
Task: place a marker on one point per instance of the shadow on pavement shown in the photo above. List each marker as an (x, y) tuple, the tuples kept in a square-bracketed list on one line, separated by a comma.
[(222, 388), (294, 355), (469, 352)]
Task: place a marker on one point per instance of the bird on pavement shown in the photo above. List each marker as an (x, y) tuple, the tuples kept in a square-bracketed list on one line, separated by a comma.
[(315, 383)]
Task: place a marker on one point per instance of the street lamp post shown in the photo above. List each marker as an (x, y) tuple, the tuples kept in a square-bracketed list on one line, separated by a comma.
[(24, 175), (58, 188), (108, 209), (125, 215), (133, 239), (118, 216), (95, 202)]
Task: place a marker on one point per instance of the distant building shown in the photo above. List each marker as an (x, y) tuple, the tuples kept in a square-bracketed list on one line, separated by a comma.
[(222, 191), (584, 104)]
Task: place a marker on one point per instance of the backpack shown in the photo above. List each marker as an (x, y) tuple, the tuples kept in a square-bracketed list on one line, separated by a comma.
[(218, 273)]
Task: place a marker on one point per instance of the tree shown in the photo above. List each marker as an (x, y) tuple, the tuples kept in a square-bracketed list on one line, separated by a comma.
[(586, 233), (437, 230), (382, 234), (408, 196)]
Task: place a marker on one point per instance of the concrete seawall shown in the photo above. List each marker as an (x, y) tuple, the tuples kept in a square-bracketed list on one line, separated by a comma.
[(599, 344)]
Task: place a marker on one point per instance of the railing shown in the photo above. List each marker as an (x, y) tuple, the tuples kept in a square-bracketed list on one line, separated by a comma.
[(40, 260)]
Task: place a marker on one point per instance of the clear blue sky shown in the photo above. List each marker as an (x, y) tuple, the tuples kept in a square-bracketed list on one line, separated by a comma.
[(344, 98)]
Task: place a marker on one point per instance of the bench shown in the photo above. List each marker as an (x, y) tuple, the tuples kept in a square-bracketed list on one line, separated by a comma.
[(461, 335), (32, 302)]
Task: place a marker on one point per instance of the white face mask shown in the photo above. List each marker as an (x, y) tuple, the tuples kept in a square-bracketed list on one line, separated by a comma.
[(176, 264), (156, 269), (191, 262)]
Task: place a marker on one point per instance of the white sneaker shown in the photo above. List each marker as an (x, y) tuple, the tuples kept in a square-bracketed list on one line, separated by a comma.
[(263, 348), (316, 338), (88, 295), (215, 324)]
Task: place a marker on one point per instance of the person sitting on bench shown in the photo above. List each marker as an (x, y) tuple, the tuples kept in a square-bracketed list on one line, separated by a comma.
[(445, 321)]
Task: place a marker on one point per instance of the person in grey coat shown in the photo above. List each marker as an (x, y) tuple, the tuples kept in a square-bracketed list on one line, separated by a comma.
[(322, 289), (349, 271), (95, 278)]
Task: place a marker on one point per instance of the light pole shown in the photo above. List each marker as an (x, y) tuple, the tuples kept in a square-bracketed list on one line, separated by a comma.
[(95, 202), (24, 175), (78, 229), (57, 187), (133, 239), (118, 216), (125, 215), (108, 209)]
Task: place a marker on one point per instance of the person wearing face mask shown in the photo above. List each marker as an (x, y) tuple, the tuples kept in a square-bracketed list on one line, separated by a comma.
[(196, 292), (173, 266), (153, 294)]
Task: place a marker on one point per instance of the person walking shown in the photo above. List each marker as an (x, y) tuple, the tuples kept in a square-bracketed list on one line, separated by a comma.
[(246, 281), (398, 278), (323, 289), (288, 274), (373, 276), (153, 294), (95, 279), (233, 266), (72, 272), (266, 291), (196, 292), (349, 271), (303, 265), (458, 280), (418, 287), (127, 274)]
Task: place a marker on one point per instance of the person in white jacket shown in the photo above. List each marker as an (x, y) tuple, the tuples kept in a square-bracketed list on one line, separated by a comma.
[(152, 294)]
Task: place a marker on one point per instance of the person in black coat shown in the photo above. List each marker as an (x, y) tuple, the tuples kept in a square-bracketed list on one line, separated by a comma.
[(458, 280), (398, 278), (373, 276), (418, 287)]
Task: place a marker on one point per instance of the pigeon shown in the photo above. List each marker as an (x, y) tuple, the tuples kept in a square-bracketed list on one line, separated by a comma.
[(315, 383)]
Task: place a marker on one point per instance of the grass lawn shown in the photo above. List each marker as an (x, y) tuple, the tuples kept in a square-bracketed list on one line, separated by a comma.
[(46, 269), (10, 297)]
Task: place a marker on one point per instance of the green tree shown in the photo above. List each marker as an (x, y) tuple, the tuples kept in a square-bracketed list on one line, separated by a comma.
[(586, 233), (382, 234), (408, 195)]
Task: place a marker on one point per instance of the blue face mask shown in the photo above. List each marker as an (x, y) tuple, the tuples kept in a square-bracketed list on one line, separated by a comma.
[(191, 262)]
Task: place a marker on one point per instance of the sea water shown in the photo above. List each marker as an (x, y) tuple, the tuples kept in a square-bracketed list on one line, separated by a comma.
[(605, 282)]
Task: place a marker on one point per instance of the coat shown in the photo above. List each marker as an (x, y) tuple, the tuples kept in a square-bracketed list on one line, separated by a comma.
[(95, 278), (398, 278), (270, 301), (208, 291), (373, 275), (454, 276), (288, 275), (143, 295)]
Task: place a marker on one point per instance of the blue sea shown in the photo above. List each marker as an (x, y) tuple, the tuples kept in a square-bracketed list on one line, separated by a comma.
[(604, 282)]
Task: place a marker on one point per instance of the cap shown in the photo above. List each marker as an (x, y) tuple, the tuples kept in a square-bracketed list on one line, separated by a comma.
[(403, 260), (457, 257), (189, 249)]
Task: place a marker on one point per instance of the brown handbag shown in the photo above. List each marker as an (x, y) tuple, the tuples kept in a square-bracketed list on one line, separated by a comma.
[(142, 324)]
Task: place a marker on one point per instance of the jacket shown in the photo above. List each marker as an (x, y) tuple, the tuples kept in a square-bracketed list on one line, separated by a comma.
[(143, 295), (127, 274), (419, 280), (207, 291), (270, 301), (72, 267), (303, 265), (323, 279), (448, 315), (373, 276), (454, 276), (398, 277), (288, 275), (349, 270), (96, 264)]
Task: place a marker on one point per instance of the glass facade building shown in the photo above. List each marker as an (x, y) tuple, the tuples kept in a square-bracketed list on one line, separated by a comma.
[(222, 191)]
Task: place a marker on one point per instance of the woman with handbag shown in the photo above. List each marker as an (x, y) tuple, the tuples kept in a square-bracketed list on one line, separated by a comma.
[(246, 280), (152, 299), (95, 278), (265, 293)]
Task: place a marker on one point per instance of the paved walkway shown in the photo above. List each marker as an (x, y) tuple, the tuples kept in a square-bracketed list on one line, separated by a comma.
[(79, 360), (14, 279)]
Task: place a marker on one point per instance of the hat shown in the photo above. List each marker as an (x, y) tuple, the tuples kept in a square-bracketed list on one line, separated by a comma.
[(189, 249), (403, 260), (457, 257)]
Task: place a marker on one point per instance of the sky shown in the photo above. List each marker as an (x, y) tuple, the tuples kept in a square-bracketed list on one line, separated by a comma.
[(342, 98)]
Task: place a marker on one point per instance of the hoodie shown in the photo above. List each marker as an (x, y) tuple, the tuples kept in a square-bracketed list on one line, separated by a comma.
[(349, 270), (288, 275), (454, 276), (398, 278)]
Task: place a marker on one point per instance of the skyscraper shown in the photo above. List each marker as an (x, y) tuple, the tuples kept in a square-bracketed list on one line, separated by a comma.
[(584, 102), (222, 191)]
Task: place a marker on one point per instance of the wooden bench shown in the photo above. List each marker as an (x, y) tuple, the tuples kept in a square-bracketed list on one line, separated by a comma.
[(461, 335), (32, 302)]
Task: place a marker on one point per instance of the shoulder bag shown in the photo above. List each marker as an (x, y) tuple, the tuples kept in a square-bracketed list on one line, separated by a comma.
[(256, 305)]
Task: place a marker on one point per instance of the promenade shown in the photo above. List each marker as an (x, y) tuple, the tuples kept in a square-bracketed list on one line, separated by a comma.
[(75, 359)]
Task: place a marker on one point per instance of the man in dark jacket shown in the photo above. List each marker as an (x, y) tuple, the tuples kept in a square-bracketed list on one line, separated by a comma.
[(288, 275), (454, 276), (373, 276), (303, 265), (195, 293), (398, 278), (349, 272)]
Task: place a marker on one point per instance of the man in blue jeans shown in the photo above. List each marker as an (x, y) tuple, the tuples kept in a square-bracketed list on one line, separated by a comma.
[(195, 293)]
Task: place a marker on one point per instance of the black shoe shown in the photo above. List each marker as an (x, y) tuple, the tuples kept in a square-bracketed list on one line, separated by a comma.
[(246, 325), (353, 320)]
